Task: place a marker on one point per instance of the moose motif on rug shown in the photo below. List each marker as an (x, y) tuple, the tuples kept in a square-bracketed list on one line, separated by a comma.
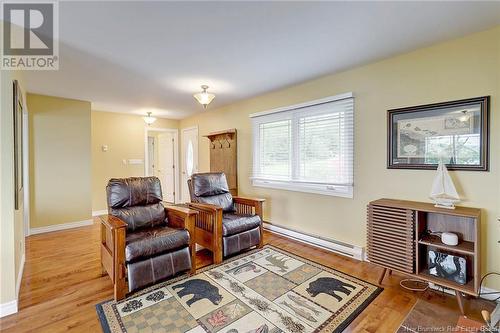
[(278, 262)]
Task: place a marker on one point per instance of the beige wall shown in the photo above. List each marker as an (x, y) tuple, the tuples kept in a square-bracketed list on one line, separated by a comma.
[(59, 160), (462, 68), (11, 220), (124, 136)]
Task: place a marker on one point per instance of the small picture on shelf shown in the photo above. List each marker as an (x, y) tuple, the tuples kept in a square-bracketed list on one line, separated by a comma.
[(447, 266)]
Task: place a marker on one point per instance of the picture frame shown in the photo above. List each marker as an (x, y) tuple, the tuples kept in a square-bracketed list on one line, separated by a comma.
[(447, 266), (455, 131), (18, 144)]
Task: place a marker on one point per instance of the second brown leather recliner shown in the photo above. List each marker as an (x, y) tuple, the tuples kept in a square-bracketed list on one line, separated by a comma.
[(226, 225)]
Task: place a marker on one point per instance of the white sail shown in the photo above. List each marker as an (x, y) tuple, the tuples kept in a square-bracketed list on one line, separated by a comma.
[(443, 191)]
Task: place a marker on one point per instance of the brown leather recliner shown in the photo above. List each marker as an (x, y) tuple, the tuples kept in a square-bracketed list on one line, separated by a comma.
[(226, 225), (141, 239)]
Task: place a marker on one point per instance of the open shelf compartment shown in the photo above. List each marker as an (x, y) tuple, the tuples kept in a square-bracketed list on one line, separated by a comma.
[(423, 270), (467, 229)]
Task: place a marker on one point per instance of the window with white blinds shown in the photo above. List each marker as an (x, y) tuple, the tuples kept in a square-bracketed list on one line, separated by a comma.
[(306, 147)]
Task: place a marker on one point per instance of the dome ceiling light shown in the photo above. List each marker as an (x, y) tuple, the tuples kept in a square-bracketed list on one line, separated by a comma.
[(204, 97), (148, 119)]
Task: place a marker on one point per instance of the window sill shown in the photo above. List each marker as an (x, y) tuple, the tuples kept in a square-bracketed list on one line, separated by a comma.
[(337, 191)]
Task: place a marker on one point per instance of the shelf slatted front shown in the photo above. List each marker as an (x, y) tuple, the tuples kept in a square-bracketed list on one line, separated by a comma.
[(391, 237)]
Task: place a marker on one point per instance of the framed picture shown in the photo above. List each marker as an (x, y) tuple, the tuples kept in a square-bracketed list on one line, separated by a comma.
[(18, 144), (456, 131), (447, 266)]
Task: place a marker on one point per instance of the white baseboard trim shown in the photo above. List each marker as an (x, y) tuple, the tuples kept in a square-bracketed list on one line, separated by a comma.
[(62, 226), (20, 275), (11, 307), (99, 212), (8, 308), (345, 249)]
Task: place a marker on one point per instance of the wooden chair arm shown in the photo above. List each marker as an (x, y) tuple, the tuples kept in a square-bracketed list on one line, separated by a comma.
[(181, 217), (245, 205), (248, 201), (207, 208), (180, 210), (210, 221), (112, 222), (184, 218), (113, 234)]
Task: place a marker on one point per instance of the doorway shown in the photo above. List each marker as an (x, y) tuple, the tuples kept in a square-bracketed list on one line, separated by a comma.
[(189, 158), (162, 159)]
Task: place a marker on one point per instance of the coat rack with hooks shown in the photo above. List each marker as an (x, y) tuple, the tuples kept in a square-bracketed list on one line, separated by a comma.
[(223, 156)]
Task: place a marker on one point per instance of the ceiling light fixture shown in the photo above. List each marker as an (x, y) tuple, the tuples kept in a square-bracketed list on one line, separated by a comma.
[(149, 120), (204, 97), (464, 116)]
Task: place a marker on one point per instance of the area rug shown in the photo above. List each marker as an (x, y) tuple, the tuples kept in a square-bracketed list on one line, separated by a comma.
[(262, 291)]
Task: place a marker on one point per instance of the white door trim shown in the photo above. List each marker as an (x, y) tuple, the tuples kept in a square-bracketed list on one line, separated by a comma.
[(26, 172), (190, 128), (177, 172), (183, 130)]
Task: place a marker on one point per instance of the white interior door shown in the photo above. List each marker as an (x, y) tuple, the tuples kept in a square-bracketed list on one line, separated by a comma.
[(189, 158), (166, 166)]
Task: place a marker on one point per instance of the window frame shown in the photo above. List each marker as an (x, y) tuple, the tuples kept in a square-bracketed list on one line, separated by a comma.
[(287, 113)]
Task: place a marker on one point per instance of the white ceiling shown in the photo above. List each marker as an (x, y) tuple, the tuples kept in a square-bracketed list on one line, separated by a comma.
[(140, 56)]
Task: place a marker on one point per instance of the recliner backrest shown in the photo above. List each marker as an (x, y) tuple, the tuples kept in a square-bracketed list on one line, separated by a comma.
[(137, 201), (211, 188)]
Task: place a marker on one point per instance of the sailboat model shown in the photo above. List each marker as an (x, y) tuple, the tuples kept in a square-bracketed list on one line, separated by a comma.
[(443, 192)]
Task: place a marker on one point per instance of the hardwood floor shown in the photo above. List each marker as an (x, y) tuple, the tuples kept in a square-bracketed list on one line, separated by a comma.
[(62, 282)]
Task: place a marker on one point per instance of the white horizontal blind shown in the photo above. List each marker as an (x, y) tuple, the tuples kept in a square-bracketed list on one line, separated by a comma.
[(325, 144), (306, 145), (275, 149)]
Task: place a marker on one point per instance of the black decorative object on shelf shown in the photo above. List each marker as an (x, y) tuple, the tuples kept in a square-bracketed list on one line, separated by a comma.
[(447, 266)]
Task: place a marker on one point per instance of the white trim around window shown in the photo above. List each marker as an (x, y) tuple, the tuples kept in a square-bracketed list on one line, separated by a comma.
[(307, 147), (336, 191)]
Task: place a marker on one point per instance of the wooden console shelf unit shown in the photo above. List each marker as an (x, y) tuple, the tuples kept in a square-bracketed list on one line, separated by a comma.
[(397, 240)]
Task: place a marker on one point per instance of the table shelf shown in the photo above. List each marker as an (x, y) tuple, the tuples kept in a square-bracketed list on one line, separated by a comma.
[(399, 239), (464, 247)]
